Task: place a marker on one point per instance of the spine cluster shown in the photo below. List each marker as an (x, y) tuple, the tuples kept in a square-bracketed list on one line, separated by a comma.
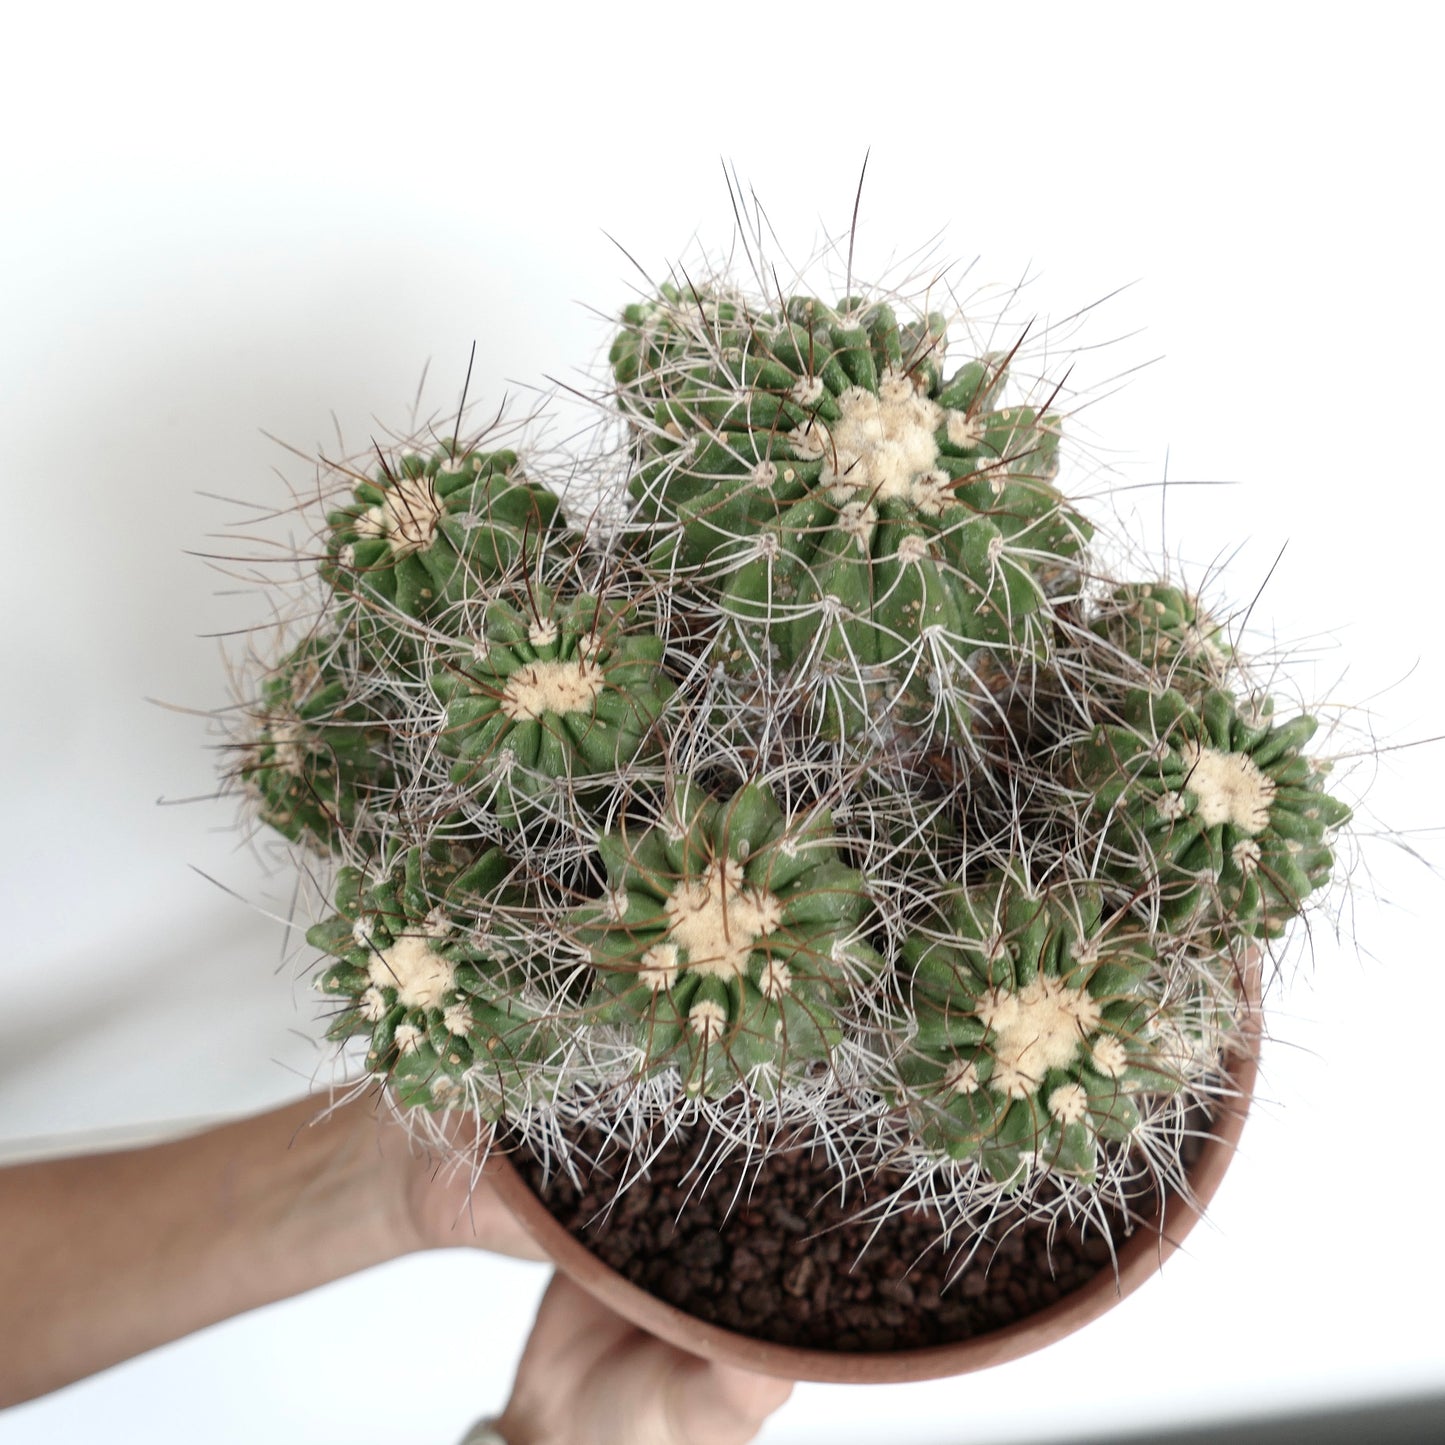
[(836, 784)]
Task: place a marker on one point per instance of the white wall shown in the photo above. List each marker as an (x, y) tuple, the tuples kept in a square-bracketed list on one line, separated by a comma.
[(218, 224)]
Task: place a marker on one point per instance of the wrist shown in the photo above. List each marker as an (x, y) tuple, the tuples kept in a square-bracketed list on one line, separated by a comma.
[(403, 1174), (447, 1202), (328, 1193)]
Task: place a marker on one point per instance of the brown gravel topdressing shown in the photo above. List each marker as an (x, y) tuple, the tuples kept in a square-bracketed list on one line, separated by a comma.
[(779, 1260)]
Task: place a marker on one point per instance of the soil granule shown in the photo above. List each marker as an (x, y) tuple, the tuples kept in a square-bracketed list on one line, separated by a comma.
[(768, 1250)]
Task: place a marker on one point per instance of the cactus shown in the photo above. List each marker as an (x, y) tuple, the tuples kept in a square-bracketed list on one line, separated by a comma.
[(427, 958), (427, 534), (726, 939), (1163, 629), (859, 519), (1039, 1022), (548, 695), (832, 773), (1220, 810), (319, 752)]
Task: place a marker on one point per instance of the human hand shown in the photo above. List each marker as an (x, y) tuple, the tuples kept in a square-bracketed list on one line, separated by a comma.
[(588, 1377), (445, 1201)]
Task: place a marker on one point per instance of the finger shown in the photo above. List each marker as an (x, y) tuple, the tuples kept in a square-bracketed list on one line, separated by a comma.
[(569, 1321), (576, 1380), (716, 1404), (664, 1394), (591, 1376)]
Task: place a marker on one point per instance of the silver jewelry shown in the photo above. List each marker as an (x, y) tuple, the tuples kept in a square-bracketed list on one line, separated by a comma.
[(484, 1432)]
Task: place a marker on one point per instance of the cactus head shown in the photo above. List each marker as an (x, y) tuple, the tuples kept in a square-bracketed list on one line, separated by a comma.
[(427, 958), (864, 525), (1040, 1027), (551, 694), (726, 942), (1164, 630), (427, 534), (316, 757), (1218, 809)]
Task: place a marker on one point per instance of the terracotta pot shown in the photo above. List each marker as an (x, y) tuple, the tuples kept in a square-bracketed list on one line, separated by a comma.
[(1139, 1257)]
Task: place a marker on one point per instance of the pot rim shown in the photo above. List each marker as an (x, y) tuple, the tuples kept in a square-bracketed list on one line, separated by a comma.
[(1137, 1259)]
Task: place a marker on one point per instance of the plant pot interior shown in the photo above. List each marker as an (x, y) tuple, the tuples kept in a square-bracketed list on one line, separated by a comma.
[(773, 1251)]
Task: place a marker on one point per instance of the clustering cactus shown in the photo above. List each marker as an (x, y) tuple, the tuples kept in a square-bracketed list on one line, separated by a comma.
[(834, 780)]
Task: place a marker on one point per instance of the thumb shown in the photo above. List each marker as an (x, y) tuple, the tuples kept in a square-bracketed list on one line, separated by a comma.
[(715, 1404)]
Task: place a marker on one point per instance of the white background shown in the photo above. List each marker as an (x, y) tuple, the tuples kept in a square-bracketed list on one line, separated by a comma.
[(218, 222)]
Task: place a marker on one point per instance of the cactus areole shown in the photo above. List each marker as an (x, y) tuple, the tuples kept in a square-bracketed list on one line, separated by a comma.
[(812, 776)]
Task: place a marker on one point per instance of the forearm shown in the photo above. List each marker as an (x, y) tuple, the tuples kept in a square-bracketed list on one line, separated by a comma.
[(109, 1255)]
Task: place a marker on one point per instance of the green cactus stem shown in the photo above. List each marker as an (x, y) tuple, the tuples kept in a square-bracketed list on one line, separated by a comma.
[(553, 692), (857, 516), (655, 343), (727, 939), (1164, 629), (1222, 812), (428, 533), (1040, 1029), (318, 754), (428, 960)]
